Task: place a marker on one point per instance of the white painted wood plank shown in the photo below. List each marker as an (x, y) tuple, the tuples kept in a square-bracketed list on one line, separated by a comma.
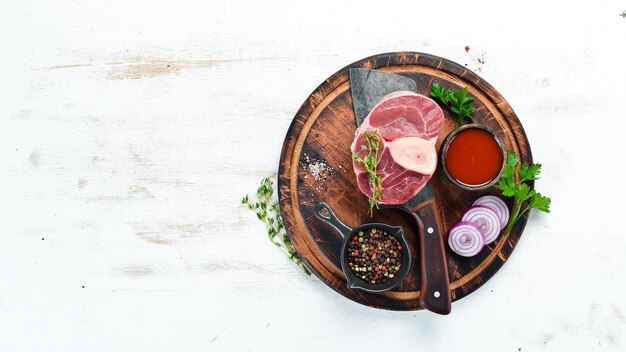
[(129, 131)]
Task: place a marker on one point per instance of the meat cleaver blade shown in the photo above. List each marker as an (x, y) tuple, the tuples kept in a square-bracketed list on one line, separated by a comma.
[(368, 87)]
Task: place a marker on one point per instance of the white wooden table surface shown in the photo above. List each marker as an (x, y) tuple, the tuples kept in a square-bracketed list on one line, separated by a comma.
[(129, 131)]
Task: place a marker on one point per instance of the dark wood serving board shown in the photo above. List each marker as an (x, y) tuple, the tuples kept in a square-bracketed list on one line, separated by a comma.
[(316, 165)]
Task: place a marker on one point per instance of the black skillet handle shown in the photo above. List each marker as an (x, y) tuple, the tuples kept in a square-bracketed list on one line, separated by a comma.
[(331, 219), (435, 288)]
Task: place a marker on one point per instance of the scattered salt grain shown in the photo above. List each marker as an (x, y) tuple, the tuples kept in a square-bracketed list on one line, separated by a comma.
[(318, 169)]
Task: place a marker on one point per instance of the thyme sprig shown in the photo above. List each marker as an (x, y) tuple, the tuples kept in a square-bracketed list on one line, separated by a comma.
[(267, 211), (370, 162)]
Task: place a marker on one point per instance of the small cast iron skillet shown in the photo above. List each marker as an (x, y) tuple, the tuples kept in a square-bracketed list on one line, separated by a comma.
[(355, 282)]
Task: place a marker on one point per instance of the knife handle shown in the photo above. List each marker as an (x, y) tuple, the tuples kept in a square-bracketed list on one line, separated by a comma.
[(435, 285)]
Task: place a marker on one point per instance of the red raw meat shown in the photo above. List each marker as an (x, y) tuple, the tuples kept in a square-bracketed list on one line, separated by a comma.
[(398, 115)]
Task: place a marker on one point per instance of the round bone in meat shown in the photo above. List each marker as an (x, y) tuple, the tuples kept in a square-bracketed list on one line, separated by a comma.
[(415, 154), (398, 116)]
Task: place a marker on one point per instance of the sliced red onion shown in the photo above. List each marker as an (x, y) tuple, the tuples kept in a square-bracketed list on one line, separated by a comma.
[(466, 239), (486, 219), (496, 204)]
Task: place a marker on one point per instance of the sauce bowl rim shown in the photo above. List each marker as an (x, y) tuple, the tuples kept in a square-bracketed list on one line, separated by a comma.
[(444, 150)]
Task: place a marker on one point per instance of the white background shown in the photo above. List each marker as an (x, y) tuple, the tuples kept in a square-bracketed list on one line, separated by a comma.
[(129, 131)]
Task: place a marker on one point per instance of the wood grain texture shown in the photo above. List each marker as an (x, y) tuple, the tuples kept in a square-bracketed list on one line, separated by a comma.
[(121, 178), (321, 133)]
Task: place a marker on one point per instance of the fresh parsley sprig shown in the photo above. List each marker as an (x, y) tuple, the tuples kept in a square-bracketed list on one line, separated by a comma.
[(525, 197), (370, 162), (456, 100), (267, 211)]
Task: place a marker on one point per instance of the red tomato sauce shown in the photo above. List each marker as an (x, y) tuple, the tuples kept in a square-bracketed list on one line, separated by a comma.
[(474, 157)]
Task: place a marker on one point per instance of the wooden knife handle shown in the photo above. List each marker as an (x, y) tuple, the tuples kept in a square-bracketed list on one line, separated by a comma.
[(435, 286)]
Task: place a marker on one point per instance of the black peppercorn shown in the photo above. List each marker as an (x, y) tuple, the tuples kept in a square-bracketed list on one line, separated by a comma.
[(375, 255)]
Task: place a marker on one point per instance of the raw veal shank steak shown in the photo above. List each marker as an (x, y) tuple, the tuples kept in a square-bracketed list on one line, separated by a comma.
[(408, 124)]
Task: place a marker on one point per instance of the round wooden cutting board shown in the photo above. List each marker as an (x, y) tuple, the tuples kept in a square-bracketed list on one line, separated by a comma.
[(316, 165)]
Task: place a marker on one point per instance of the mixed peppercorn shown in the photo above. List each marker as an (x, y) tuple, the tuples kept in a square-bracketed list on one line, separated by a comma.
[(374, 256)]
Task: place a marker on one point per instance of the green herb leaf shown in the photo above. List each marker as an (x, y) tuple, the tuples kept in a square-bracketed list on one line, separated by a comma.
[(523, 192), (511, 159), (370, 161), (438, 92), (456, 100), (540, 202), (530, 172), (507, 186), (516, 186), (267, 211)]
